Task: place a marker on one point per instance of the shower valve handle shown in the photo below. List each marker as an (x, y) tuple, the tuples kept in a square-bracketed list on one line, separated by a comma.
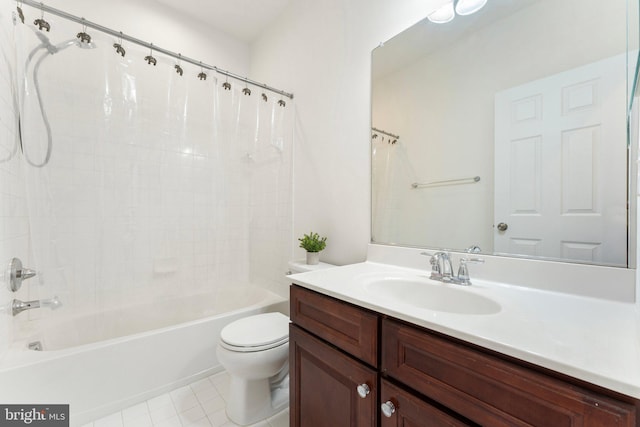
[(17, 274)]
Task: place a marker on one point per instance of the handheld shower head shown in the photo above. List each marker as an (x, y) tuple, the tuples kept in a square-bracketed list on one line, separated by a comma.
[(85, 45), (46, 43)]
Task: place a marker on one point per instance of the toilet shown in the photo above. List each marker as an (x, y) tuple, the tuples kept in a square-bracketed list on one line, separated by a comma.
[(255, 352)]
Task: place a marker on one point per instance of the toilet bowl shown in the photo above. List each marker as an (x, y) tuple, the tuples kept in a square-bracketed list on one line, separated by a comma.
[(254, 350)]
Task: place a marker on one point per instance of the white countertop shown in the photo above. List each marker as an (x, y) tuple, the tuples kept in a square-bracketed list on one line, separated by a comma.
[(592, 339)]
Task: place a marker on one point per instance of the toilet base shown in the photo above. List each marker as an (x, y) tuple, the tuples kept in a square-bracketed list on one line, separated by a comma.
[(260, 399)]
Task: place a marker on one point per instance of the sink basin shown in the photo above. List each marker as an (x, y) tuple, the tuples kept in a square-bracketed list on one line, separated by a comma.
[(432, 295)]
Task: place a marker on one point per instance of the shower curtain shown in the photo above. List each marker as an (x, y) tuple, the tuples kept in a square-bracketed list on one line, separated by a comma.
[(384, 181), (143, 184)]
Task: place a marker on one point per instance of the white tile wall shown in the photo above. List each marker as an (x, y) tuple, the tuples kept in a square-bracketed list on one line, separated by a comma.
[(13, 209)]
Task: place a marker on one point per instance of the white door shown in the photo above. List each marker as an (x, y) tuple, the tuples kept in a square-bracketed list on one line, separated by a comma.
[(561, 166)]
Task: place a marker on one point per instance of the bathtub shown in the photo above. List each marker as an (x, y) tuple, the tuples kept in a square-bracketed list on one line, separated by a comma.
[(101, 363)]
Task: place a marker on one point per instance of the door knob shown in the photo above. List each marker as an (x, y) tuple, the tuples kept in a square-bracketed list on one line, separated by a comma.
[(502, 226)]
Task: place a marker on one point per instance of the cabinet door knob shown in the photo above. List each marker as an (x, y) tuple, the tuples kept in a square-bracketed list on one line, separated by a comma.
[(363, 390), (388, 408)]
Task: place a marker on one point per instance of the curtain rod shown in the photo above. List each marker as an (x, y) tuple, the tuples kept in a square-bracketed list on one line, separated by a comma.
[(151, 46)]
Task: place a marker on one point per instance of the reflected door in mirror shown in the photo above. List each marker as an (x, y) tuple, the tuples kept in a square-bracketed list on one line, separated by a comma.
[(559, 182)]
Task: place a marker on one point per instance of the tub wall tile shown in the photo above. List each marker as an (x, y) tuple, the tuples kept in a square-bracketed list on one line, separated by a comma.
[(13, 209)]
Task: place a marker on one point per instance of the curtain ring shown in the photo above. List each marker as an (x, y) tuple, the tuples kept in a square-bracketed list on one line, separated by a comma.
[(149, 58), (118, 46), (41, 23), (202, 75), (246, 89), (82, 35), (20, 13), (177, 66)]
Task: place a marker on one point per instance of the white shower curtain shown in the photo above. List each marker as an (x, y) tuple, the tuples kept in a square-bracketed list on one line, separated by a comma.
[(156, 184)]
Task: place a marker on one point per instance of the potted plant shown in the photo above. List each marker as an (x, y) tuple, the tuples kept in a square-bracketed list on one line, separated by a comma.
[(313, 244)]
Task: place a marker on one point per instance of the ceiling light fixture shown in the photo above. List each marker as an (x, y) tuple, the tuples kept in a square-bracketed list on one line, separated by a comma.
[(467, 7), (443, 14), (448, 11)]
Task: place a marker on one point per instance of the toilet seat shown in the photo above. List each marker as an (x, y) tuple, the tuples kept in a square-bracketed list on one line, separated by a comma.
[(256, 333)]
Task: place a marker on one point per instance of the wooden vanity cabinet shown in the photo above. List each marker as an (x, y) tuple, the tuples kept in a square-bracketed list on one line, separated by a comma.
[(429, 379), (491, 390)]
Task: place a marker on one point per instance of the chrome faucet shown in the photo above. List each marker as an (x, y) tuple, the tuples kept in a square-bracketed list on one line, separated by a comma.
[(18, 306), (442, 268)]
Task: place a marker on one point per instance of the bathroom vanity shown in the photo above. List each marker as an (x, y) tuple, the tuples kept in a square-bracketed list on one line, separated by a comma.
[(352, 364), (348, 362)]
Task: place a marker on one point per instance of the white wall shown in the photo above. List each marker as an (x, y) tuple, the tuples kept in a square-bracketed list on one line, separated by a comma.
[(155, 23), (321, 51)]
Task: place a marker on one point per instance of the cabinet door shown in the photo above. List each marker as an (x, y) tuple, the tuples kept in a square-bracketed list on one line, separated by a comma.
[(411, 411), (324, 385)]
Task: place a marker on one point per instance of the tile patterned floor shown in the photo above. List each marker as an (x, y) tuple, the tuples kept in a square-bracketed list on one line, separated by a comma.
[(199, 404)]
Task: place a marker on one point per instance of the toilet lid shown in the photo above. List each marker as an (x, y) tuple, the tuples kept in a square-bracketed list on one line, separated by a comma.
[(261, 331)]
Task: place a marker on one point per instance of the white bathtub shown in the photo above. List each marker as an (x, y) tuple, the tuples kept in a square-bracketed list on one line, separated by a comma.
[(105, 362)]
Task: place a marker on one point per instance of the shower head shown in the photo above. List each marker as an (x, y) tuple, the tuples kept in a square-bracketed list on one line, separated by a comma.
[(46, 43), (85, 45)]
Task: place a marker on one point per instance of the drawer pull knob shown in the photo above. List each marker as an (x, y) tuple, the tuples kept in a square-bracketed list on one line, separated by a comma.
[(388, 408), (363, 390)]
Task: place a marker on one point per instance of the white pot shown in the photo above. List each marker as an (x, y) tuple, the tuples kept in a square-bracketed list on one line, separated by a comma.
[(313, 258)]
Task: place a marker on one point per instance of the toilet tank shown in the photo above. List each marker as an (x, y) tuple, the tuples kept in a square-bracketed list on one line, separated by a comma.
[(301, 266)]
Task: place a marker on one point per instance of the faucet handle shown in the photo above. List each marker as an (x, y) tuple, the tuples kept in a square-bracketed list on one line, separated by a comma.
[(473, 249), (16, 274), (463, 271), (436, 272)]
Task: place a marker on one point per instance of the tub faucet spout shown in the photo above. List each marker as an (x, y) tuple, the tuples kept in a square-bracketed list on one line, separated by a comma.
[(18, 306)]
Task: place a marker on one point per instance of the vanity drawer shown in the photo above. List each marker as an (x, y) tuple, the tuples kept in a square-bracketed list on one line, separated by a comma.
[(489, 390), (350, 328), (412, 411)]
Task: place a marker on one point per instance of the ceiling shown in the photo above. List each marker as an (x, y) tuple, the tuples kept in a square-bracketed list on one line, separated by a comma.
[(242, 19)]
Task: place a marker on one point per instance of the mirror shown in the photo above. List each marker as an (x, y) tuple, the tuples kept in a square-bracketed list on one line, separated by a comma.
[(506, 130)]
